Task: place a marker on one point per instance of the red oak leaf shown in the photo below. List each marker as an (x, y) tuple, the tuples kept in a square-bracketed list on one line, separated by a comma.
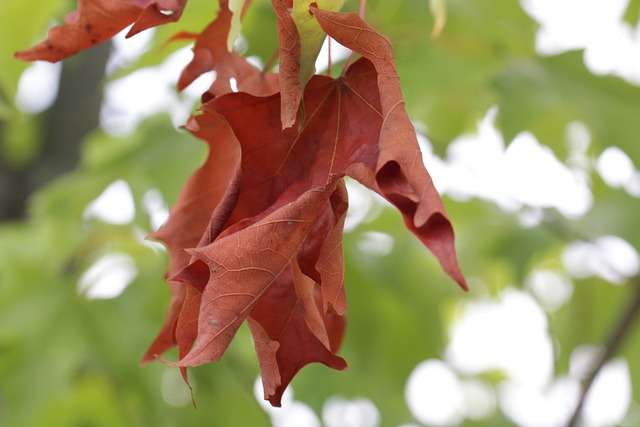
[(347, 131), (244, 261), (204, 191), (210, 53), (399, 174), (98, 20), (289, 177), (271, 252), (288, 321), (289, 47), (189, 219)]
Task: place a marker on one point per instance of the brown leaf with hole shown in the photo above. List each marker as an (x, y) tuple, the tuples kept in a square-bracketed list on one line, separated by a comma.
[(98, 20)]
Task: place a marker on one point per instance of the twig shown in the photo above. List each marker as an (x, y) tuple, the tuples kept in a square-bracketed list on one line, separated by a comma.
[(271, 62), (617, 337)]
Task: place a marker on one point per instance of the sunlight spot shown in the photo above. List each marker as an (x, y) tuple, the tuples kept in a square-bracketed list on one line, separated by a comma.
[(476, 166), (241, 45), (108, 277), (127, 50), (578, 139), (609, 398), (375, 243), (633, 185), (582, 360), (359, 412), (291, 414), (531, 406), (174, 390), (363, 205), (615, 167), (479, 400), (156, 208), (551, 288), (508, 335), (338, 53), (129, 100), (608, 257), (434, 395), (610, 44), (114, 206), (142, 237), (146, 92), (256, 61), (38, 87), (258, 392), (233, 84), (557, 187)]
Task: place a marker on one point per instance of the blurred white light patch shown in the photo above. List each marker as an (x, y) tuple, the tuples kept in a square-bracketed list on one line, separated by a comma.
[(38, 87), (174, 390), (525, 174), (530, 406), (609, 398), (537, 178), (434, 394), (156, 207), (615, 167), (551, 288), (364, 206), (338, 53), (508, 335), (291, 414), (149, 91), (479, 399), (359, 412), (125, 51), (583, 359), (375, 243), (108, 277), (633, 185), (115, 205), (611, 45), (608, 257)]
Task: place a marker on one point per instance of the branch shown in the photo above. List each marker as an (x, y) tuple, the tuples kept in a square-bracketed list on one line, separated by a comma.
[(74, 114), (619, 334)]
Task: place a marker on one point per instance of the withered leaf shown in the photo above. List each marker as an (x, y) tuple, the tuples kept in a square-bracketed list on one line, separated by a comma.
[(98, 20)]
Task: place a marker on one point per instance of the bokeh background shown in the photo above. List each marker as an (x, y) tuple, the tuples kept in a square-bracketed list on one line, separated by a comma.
[(529, 118)]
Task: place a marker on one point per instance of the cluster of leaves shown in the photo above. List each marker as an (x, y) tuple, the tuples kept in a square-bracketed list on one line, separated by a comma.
[(256, 233)]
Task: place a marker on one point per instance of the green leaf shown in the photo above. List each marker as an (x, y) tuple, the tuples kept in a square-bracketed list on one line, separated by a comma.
[(439, 11), (311, 35), (22, 23), (235, 6)]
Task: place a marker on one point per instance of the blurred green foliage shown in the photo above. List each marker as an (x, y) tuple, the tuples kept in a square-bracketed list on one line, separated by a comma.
[(69, 361)]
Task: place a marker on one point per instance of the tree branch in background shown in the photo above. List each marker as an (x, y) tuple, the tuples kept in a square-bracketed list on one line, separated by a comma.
[(74, 114), (619, 334)]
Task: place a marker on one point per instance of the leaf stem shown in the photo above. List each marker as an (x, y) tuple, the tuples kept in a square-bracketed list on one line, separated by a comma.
[(329, 56), (619, 334), (363, 4), (271, 62)]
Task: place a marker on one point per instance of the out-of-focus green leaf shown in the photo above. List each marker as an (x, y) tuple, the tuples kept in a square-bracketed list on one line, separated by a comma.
[(22, 23), (439, 11), (448, 82), (544, 95)]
